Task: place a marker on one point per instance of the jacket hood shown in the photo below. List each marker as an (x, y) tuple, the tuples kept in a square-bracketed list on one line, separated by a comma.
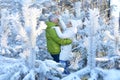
[(50, 24)]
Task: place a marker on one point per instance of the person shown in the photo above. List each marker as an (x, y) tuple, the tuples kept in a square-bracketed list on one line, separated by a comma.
[(54, 42), (66, 50)]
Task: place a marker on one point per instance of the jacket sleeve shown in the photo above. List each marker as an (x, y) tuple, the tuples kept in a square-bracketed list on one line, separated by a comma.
[(57, 39), (62, 24), (59, 33)]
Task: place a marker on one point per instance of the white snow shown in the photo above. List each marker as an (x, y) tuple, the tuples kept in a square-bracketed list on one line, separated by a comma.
[(22, 24), (112, 74), (72, 77)]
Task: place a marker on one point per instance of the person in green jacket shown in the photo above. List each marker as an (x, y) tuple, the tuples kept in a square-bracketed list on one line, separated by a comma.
[(53, 41)]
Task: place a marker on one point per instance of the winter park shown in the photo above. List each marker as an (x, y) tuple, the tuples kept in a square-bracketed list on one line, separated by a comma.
[(59, 40)]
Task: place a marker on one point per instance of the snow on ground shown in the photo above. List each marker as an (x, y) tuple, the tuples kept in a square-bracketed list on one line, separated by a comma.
[(112, 74), (7, 64), (72, 77)]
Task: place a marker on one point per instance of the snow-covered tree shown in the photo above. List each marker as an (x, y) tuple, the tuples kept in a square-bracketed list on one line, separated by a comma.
[(115, 17)]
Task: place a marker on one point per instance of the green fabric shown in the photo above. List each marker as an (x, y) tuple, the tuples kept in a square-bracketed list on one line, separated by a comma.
[(53, 41)]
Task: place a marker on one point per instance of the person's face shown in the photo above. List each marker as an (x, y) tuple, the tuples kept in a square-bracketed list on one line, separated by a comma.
[(56, 20), (69, 24)]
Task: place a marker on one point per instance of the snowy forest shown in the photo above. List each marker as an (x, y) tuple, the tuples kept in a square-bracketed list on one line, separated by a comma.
[(23, 45)]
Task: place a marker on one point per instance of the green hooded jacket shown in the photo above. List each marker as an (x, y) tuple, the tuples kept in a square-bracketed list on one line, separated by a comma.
[(53, 41)]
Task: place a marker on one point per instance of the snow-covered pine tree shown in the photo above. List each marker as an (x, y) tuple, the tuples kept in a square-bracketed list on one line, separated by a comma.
[(4, 29), (77, 6), (92, 26), (115, 18), (31, 15)]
